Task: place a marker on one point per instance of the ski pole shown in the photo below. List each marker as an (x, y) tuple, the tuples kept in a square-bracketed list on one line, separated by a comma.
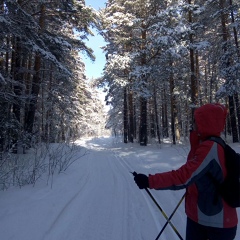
[(161, 210), (168, 221)]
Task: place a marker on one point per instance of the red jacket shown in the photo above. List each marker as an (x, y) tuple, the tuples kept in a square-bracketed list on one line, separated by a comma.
[(203, 204)]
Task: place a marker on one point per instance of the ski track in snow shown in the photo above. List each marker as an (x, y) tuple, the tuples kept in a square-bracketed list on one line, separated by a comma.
[(147, 200), (67, 207), (147, 204), (112, 205), (103, 193), (97, 199)]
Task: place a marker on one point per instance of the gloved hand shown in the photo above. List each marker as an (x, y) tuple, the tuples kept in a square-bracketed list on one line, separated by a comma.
[(141, 180)]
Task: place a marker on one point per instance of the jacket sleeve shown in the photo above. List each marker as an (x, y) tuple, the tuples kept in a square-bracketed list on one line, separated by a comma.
[(187, 174)]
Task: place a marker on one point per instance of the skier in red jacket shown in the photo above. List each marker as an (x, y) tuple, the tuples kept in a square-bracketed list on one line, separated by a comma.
[(208, 215)]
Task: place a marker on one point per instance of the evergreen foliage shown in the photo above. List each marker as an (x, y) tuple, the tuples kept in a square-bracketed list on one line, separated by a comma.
[(164, 59), (43, 88)]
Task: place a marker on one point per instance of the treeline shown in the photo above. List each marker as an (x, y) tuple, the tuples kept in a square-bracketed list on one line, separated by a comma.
[(164, 59), (44, 95)]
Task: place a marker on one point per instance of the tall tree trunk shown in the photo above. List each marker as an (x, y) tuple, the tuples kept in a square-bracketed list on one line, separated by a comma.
[(152, 119), (225, 35), (30, 114), (212, 80), (197, 76), (17, 78), (131, 117), (125, 117), (236, 98), (143, 101), (4, 106), (7, 56), (156, 114), (134, 121), (143, 122), (233, 119), (165, 115), (49, 129), (173, 107), (234, 30), (194, 93)]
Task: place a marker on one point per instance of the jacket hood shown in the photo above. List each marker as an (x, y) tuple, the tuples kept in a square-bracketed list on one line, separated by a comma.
[(210, 119)]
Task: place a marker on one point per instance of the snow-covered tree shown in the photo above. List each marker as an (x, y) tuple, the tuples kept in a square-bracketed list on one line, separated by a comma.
[(40, 71), (165, 58)]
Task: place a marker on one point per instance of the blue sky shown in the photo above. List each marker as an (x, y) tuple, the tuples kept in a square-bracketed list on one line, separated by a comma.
[(95, 3), (94, 69)]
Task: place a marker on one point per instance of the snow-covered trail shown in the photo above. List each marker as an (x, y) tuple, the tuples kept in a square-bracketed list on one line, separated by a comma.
[(101, 204), (96, 198), (112, 206)]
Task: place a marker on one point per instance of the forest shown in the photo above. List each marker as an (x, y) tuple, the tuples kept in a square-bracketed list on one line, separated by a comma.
[(45, 95), (164, 58)]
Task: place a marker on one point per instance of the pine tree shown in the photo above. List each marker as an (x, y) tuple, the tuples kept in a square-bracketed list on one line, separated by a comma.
[(39, 54), (172, 57)]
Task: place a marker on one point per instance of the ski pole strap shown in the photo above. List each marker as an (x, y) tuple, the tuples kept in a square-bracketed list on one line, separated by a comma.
[(168, 221)]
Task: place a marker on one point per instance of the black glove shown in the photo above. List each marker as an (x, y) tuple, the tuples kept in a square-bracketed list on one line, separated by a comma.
[(141, 180)]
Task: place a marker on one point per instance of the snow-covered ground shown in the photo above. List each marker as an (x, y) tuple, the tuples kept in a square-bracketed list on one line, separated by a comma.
[(97, 199)]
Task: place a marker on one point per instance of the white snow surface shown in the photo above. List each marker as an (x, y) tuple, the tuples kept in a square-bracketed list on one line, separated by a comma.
[(96, 198)]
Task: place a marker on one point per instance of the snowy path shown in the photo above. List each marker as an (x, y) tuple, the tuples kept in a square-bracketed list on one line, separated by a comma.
[(96, 199), (101, 205)]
